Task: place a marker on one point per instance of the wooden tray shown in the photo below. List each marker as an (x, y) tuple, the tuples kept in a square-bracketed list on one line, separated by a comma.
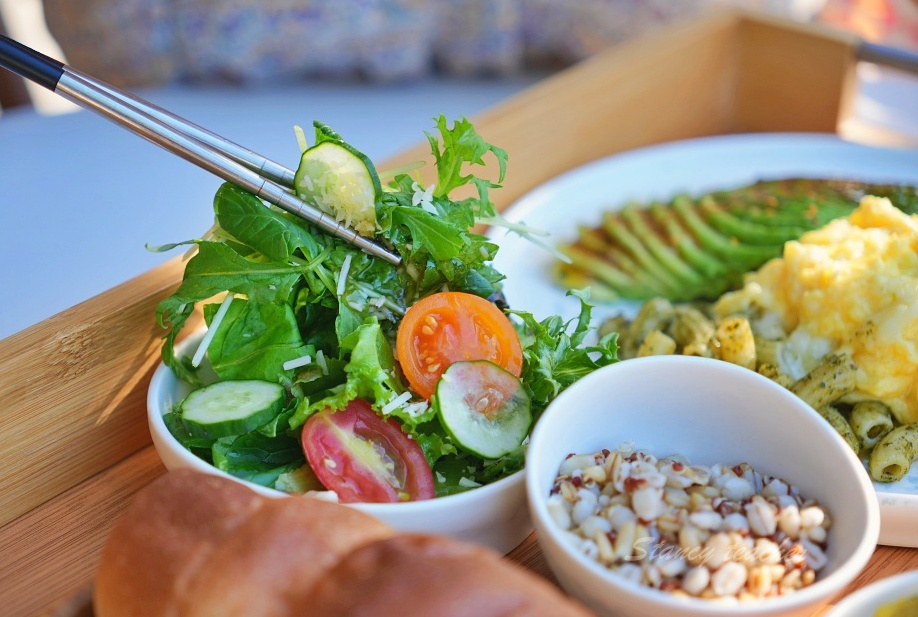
[(73, 431)]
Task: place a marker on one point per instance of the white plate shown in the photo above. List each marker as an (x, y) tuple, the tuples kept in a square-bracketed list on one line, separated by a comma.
[(692, 166), (866, 601)]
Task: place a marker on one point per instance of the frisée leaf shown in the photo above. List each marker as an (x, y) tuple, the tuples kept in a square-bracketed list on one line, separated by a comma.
[(462, 144), (555, 356)]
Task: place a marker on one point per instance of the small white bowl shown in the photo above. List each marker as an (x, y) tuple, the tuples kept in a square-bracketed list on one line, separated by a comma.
[(711, 412), (494, 515), (867, 601)]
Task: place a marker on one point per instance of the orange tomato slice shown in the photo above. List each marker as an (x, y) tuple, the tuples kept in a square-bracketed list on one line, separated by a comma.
[(449, 327)]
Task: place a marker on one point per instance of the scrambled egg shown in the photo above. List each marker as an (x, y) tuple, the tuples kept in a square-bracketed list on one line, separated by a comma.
[(851, 286)]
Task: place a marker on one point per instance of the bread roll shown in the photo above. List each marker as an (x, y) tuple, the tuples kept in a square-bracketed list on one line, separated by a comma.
[(197, 544), (419, 575)]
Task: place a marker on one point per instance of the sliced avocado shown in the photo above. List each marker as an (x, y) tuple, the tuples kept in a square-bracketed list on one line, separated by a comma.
[(620, 232), (603, 270), (621, 257), (653, 237), (781, 203), (570, 276), (726, 247), (599, 243), (745, 230), (707, 264), (768, 215)]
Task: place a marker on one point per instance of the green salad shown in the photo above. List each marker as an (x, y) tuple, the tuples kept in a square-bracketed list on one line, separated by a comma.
[(323, 368)]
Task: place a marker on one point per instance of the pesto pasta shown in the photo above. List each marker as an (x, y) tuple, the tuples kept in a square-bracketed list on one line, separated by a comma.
[(870, 421), (892, 457)]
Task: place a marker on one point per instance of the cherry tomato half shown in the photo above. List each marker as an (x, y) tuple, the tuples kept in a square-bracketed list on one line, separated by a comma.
[(365, 458), (449, 327)]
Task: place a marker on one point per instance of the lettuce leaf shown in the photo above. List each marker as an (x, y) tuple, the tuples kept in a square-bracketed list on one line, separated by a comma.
[(371, 374)]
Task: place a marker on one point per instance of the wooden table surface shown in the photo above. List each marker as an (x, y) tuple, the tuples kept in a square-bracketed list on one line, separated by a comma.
[(108, 494)]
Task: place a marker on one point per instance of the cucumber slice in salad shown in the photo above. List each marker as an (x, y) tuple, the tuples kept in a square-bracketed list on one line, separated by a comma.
[(231, 407), (483, 407), (339, 180)]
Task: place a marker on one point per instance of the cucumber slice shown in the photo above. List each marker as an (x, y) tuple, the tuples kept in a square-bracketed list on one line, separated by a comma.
[(342, 182), (231, 407), (483, 407)]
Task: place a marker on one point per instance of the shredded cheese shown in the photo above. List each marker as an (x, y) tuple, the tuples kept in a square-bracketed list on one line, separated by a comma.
[(395, 403), (423, 197), (416, 409), (297, 362), (342, 276), (211, 331), (300, 138)]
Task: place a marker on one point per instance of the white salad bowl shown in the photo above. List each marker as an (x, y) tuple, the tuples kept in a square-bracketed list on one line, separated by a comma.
[(493, 515), (711, 412)]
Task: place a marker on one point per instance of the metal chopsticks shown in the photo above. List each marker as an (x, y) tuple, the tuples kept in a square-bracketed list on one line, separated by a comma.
[(234, 163), (901, 59)]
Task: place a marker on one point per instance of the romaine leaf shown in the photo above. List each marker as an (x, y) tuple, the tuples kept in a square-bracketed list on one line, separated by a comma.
[(348, 321), (372, 365), (371, 374)]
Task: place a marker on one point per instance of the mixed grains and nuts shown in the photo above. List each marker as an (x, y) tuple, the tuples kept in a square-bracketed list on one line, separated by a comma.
[(709, 532)]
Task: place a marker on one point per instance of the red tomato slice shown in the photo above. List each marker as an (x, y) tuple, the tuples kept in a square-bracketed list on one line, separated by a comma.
[(449, 327), (365, 458)]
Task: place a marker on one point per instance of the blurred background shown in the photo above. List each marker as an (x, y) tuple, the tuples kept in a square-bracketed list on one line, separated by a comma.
[(149, 43)]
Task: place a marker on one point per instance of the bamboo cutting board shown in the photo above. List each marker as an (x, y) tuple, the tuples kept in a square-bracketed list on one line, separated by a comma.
[(728, 73)]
